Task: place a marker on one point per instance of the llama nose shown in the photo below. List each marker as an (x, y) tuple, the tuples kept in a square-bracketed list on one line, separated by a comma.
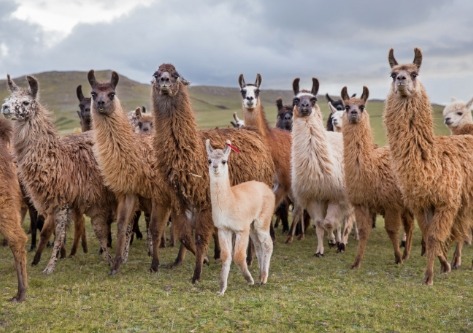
[(305, 104), (164, 78), (250, 99), (101, 103), (353, 112), (287, 117), (401, 77)]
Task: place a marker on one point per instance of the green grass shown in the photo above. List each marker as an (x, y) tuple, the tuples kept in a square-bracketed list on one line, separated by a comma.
[(304, 293)]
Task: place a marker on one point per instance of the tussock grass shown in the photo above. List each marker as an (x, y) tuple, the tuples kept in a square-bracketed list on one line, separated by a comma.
[(303, 294)]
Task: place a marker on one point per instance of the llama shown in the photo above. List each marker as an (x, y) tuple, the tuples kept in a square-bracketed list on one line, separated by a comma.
[(317, 173), (434, 172), (277, 140), (242, 210), (84, 110), (237, 122), (10, 206), (371, 184), (141, 121), (60, 174), (180, 151), (334, 119), (457, 117), (284, 117), (128, 164)]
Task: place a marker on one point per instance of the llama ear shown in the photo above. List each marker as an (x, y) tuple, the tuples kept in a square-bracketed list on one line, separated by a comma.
[(80, 95), (315, 86), (115, 79), (138, 112), (365, 94), (34, 87), (208, 147), (417, 57), (392, 60), (344, 94), (279, 104), (11, 85), (332, 108), (182, 80), (258, 80), (227, 149), (91, 78), (469, 104), (295, 86), (329, 99), (241, 81)]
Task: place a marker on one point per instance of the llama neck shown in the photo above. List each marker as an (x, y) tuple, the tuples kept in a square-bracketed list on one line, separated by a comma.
[(462, 129), (179, 147), (309, 143), (221, 194), (116, 147), (35, 134), (358, 144), (257, 118)]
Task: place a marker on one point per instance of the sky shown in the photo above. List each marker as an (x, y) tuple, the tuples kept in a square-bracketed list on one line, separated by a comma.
[(211, 42)]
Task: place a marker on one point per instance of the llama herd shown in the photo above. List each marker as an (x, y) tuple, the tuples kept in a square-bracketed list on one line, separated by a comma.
[(334, 176)]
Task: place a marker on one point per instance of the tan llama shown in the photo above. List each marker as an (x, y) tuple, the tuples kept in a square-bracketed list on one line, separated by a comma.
[(244, 210)]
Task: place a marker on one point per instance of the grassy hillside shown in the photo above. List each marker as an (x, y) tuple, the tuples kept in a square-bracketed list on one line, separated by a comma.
[(214, 106)]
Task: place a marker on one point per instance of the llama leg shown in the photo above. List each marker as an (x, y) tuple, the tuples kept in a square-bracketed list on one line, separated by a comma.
[(266, 250), (239, 255), (348, 227), (336, 212), (437, 232), (61, 218), (11, 229), (257, 245), (125, 211), (408, 224), (33, 225), (204, 229), (216, 245), (158, 220), (297, 217), (316, 211), (363, 220), (183, 229), (79, 230), (44, 236), (225, 241), (457, 255), (392, 224)]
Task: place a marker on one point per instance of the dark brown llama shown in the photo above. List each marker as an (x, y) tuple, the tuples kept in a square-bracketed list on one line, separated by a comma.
[(182, 159)]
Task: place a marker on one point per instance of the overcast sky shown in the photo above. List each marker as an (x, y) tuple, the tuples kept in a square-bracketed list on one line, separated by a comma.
[(211, 41)]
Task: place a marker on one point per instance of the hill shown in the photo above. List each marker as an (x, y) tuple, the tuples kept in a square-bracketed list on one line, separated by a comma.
[(213, 105)]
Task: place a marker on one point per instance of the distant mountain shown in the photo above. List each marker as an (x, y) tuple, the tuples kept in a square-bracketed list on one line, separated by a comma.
[(213, 105)]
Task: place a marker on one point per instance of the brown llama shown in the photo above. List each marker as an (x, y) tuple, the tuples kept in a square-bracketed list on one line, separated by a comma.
[(84, 110), (434, 173), (181, 155), (10, 206), (60, 174), (371, 184), (128, 164)]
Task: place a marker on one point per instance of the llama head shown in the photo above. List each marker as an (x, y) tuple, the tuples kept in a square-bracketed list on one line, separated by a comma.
[(250, 92), (21, 105), (103, 93), (144, 121), (237, 122), (457, 113), (355, 107), (167, 81), (405, 82), (218, 159), (284, 117), (335, 120), (84, 108), (305, 102)]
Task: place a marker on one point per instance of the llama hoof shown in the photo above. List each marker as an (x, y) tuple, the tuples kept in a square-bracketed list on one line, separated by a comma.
[(18, 298), (194, 280), (341, 248), (207, 261), (428, 281), (36, 259), (445, 268), (289, 240), (221, 293), (48, 270), (113, 272), (318, 254), (355, 266), (331, 243)]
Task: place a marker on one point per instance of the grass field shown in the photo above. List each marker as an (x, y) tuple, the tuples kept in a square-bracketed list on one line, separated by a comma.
[(303, 294)]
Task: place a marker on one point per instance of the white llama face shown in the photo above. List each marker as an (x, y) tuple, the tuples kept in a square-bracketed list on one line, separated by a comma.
[(250, 96), (19, 106), (337, 120), (304, 104), (217, 160), (454, 114)]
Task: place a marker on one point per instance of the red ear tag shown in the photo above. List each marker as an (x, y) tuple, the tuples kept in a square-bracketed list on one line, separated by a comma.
[(232, 147)]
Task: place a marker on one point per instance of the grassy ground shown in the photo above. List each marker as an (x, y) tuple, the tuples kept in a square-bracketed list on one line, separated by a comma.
[(303, 294)]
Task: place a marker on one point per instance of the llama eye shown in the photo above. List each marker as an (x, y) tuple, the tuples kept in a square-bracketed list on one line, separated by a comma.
[(347, 108), (94, 94), (224, 162), (111, 95), (459, 113), (295, 101), (393, 75), (340, 108), (362, 107), (414, 75), (25, 103), (209, 161)]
